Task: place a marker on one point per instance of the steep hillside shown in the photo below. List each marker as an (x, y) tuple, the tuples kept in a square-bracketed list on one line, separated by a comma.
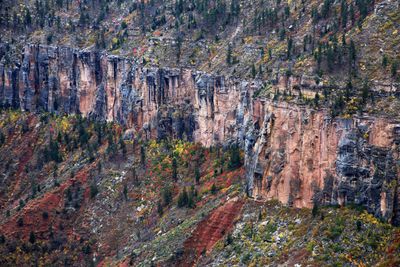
[(74, 192), (162, 133)]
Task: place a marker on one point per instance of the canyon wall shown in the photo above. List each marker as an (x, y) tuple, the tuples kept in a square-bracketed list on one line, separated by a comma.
[(301, 157), (293, 153)]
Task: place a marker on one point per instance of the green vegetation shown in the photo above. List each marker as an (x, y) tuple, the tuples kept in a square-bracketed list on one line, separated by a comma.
[(271, 233)]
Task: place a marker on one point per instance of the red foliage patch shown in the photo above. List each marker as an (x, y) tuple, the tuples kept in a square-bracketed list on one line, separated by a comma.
[(32, 213), (218, 223)]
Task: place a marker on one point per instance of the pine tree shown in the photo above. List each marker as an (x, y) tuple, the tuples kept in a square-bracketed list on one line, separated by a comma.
[(315, 210), (20, 222), (160, 210), (32, 237), (28, 17), (316, 99), (365, 91), (289, 47), (395, 66), (174, 169), (142, 155), (384, 61), (234, 159), (167, 195), (2, 138), (343, 10), (214, 189), (122, 147), (125, 191), (253, 71), (93, 190), (197, 174), (229, 55), (183, 198)]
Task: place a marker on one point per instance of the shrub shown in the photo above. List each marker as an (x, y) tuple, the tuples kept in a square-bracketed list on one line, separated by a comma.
[(229, 240), (183, 199), (32, 237), (160, 210), (52, 153), (167, 195), (186, 199), (21, 204), (358, 225), (214, 189), (86, 249), (315, 210), (45, 215), (25, 127), (246, 258), (125, 192), (93, 190), (2, 138)]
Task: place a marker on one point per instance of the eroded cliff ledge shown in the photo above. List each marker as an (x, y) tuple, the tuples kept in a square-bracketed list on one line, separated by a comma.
[(293, 153)]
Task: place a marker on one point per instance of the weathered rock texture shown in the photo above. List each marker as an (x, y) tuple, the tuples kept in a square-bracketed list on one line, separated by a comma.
[(293, 153), (301, 156)]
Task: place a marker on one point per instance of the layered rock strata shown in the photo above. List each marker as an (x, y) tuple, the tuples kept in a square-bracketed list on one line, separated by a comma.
[(293, 153)]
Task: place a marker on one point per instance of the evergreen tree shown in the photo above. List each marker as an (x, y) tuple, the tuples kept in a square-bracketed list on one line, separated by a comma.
[(214, 189), (315, 210), (160, 210), (32, 237), (253, 71), (174, 169), (122, 147), (183, 198), (234, 159), (384, 61), (197, 174), (167, 195), (289, 47), (229, 55), (344, 15), (125, 191), (93, 190), (28, 17), (2, 138), (395, 66), (365, 91), (316, 99), (142, 155)]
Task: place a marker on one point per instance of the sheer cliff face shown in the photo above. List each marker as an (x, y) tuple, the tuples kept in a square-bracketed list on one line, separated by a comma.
[(300, 156), (157, 102), (294, 154)]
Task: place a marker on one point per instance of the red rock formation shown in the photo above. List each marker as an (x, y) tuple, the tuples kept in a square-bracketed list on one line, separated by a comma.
[(293, 153)]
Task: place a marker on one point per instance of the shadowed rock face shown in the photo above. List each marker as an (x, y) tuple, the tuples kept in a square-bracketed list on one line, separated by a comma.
[(293, 153)]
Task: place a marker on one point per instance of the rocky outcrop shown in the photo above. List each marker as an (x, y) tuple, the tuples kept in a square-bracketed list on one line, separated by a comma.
[(301, 157), (293, 153)]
